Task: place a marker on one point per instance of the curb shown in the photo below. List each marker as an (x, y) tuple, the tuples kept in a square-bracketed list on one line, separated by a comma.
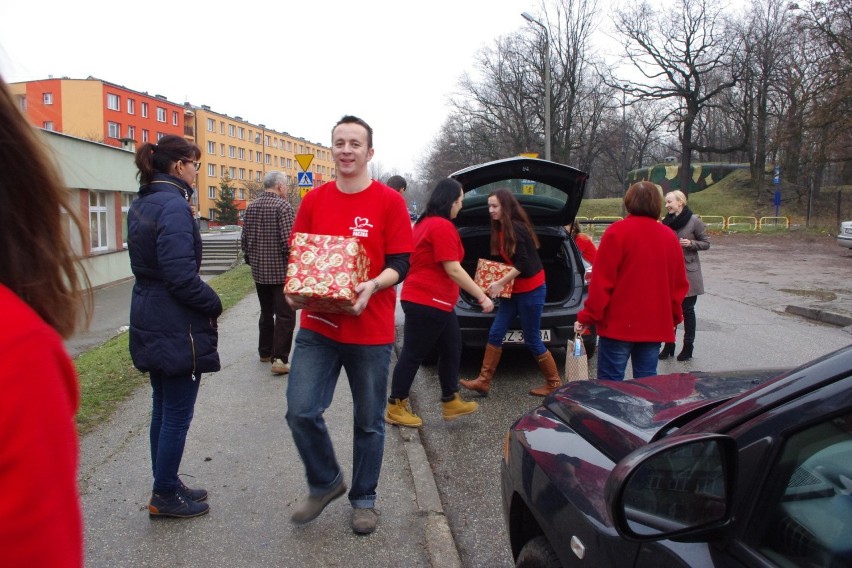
[(439, 539), (440, 544), (816, 314)]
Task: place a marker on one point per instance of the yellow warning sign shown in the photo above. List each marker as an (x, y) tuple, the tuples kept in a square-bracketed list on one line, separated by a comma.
[(529, 154), (305, 160)]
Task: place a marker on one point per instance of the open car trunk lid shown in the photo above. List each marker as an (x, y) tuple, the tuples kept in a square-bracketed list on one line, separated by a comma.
[(549, 192)]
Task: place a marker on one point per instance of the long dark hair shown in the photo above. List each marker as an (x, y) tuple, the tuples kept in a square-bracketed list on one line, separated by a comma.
[(441, 199), (39, 263), (511, 212), (159, 157)]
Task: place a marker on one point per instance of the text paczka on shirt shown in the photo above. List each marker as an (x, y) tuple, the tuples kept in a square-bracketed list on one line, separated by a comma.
[(379, 218)]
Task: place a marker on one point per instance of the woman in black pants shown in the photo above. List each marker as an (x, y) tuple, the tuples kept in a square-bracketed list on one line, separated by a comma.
[(692, 235), (429, 293)]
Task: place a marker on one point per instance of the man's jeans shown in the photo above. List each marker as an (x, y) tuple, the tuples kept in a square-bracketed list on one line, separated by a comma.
[(276, 323), (314, 369), (613, 355), (171, 414), (528, 306)]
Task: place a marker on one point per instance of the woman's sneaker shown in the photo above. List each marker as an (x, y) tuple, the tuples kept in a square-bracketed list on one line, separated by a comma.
[(175, 506)]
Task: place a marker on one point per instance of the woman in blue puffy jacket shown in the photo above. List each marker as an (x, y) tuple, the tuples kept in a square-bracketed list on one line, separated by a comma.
[(173, 332)]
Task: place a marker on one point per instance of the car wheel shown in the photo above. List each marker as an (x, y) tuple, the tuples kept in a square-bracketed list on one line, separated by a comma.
[(538, 553)]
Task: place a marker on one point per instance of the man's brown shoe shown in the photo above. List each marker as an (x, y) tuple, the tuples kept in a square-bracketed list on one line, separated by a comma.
[(311, 507)]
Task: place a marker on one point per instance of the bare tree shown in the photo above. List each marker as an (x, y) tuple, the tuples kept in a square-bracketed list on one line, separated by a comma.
[(685, 58)]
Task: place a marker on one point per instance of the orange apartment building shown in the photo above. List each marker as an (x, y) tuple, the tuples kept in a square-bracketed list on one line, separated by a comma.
[(232, 149)]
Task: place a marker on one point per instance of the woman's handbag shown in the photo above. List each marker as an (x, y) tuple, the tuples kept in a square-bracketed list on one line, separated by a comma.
[(576, 362)]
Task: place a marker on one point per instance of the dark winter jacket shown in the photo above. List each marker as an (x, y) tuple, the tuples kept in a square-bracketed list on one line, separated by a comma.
[(172, 312)]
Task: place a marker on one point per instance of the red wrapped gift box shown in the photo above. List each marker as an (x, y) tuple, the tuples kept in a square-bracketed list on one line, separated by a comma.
[(488, 271), (324, 270)]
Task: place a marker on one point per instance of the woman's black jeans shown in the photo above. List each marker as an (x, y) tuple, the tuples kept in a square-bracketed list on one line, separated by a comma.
[(688, 307), (427, 328)]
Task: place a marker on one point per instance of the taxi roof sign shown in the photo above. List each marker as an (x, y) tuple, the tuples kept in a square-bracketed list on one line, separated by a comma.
[(305, 160)]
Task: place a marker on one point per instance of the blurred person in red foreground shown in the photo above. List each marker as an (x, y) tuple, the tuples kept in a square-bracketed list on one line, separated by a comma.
[(41, 288), (360, 342), (637, 289), (431, 291)]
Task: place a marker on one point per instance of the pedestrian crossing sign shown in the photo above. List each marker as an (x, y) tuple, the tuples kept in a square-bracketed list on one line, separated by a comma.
[(306, 179)]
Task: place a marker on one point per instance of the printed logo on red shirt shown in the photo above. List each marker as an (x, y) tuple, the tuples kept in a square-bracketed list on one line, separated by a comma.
[(361, 228)]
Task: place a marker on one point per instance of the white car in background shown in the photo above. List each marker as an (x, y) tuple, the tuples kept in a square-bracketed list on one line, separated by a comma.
[(844, 237)]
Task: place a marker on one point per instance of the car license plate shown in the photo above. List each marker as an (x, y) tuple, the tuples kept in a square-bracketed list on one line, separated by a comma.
[(517, 336)]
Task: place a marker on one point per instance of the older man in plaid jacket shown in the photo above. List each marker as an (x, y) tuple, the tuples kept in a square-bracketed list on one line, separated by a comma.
[(265, 242)]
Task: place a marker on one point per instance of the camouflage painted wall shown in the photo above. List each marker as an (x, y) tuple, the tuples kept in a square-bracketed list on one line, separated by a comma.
[(667, 176)]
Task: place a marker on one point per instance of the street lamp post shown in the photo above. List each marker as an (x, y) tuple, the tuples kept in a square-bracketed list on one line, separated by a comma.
[(547, 95)]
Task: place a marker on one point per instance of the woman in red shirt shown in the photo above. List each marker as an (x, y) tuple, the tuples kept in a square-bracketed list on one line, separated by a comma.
[(513, 241), (430, 291)]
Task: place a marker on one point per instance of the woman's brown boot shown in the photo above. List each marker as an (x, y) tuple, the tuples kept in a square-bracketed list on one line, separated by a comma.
[(551, 375), (482, 383)]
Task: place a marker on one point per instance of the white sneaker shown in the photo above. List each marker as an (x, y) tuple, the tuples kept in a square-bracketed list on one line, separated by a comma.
[(279, 367)]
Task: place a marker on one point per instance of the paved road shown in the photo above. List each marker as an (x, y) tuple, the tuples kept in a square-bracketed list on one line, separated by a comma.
[(240, 448)]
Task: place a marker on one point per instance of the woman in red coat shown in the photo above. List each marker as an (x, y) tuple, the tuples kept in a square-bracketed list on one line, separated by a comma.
[(41, 287), (638, 286)]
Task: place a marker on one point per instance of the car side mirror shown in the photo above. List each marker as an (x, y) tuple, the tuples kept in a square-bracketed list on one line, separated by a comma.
[(673, 487)]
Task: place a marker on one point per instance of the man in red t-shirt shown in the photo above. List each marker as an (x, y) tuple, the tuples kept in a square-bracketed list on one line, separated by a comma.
[(360, 341)]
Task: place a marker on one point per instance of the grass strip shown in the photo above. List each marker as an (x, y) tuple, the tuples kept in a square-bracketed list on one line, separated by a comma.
[(106, 372)]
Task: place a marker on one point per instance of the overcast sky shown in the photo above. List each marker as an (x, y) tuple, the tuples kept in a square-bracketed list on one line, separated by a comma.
[(293, 66)]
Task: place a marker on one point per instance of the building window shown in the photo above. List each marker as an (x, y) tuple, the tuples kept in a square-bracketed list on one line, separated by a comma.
[(211, 170), (211, 147), (47, 98), (212, 215), (221, 149), (160, 135), (126, 200), (113, 130), (113, 102), (232, 151), (224, 171), (211, 125), (161, 114), (242, 174), (241, 133), (144, 110), (211, 192), (47, 125), (98, 221), (221, 127), (267, 140), (131, 106), (175, 118), (257, 177), (242, 153), (144, 135), (131, 132), (269, 158), (242, 192), (232, 173)]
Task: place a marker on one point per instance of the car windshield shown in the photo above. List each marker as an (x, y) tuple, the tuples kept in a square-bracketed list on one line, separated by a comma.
[(522, 189)]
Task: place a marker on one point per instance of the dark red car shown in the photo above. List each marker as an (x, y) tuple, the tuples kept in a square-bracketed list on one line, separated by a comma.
[(752, 468)]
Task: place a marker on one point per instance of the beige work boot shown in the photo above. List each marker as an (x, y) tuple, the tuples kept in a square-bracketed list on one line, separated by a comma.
[(399, 412), (457, 407)]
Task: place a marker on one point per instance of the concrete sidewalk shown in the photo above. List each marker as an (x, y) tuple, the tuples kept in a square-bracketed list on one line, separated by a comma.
[(240, 449)]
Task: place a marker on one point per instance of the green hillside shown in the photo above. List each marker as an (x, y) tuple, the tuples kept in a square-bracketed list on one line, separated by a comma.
[(734, 196)]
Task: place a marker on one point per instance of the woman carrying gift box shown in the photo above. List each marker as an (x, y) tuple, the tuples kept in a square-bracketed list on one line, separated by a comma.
[(430, 292), (514, 242)]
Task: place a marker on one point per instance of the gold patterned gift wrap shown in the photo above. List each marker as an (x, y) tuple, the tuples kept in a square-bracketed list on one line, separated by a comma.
[(325, 269)]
